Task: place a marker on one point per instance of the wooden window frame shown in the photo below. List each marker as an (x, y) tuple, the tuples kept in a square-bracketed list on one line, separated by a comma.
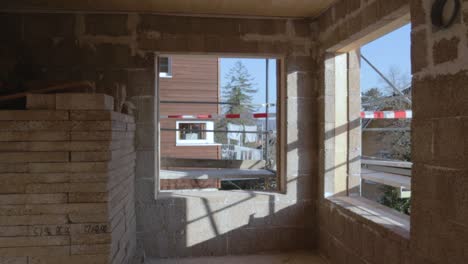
[(281, 118)]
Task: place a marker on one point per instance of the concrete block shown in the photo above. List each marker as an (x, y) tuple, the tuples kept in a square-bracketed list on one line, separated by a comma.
[(419, 55), (52, 209), (422, 144), (97, 115), (34, 136), (60, 146), (40, 101), (40, 27), (93, 249), (12, 188), (11, 24), (140, 83), (99, 155), (49, 167), (104, 145), (100, 135), (145, 109), (301, 84), (145, 137), (66, 187), (13, 231), (81, 197), (445, 50), (35, 125), (145, 165), (76, 259), (16, 157), (98, 125), (429, 99), (448, 143), (106, 24), (28, 220), (34, 241), (14, 260), (33, 199), (418, 13), (131, 127), (76, 218), (78, 239), (71, 101)]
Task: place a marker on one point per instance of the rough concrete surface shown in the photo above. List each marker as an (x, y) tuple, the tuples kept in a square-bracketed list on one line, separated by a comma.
[(271, 258), (48, 48), (120, 48)]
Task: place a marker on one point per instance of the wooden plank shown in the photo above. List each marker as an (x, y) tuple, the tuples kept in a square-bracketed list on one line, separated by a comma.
[(194, 78), (212, 163), (397, 164), (386, 178), (216, 174)]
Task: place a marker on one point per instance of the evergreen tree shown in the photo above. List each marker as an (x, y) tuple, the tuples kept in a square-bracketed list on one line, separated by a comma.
[(239, 90)]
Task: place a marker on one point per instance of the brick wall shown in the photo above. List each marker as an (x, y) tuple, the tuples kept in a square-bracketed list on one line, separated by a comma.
[(67, 181)]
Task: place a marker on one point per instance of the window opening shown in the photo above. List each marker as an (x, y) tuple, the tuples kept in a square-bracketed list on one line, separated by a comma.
[(386, 120), (194, 132), (165, 67), (218, 123)]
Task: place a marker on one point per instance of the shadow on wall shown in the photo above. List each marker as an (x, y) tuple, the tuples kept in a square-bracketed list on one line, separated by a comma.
[(197, 226), (202, 223)]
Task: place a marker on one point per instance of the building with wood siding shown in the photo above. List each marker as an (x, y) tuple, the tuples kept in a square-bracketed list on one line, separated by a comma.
[(188, 78)]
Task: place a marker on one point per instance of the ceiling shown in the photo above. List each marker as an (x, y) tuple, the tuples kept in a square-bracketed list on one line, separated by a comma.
[(254, 8)]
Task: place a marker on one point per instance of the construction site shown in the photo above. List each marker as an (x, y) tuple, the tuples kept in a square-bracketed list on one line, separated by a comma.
[(221, 131)]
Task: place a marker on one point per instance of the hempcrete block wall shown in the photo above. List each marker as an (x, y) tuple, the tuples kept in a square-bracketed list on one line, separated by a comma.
[(439, 230), (345, 236), (439, 233), (67, 182), (109, 48)]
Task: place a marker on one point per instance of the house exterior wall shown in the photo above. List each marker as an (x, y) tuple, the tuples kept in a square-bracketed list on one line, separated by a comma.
[(194, 78), (110, 48)]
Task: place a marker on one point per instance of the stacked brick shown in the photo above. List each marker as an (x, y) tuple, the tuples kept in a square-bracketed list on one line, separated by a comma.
[(67, 181)]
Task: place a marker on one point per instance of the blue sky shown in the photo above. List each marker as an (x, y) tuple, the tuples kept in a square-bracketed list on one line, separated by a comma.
[(257, 69), (391, 50)]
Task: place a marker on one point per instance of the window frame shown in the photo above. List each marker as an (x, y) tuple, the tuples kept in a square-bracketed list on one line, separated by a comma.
[(209, 141), (281, 118), (167, 74)]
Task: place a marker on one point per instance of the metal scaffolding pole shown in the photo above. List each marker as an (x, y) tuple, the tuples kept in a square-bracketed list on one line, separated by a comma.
[(266, 110), (216, 103), (386, 80), (215, 131)]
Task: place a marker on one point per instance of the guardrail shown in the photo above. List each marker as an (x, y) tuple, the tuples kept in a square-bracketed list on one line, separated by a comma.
[(392, 173), (180, 168)]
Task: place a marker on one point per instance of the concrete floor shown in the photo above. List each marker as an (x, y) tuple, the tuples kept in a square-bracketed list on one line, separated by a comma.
[(271, 258)]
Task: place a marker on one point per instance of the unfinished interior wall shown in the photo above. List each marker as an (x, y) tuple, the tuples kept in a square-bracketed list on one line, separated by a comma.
[(67, 181), (236, 222), (439, 233), (351, 233), (110, 48), (348, 231)]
